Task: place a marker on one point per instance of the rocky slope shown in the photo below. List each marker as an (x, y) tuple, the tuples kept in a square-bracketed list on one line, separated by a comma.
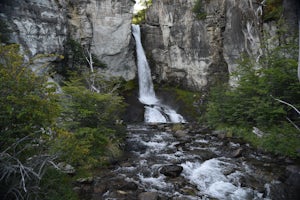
[(104, 26), (195, 52)]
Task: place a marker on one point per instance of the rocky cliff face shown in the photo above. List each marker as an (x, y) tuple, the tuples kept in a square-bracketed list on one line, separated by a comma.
[(38, 25), (104, 26), (183, 50), (196, 53)]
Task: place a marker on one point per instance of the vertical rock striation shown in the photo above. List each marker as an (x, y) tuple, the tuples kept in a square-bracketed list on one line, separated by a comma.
[(39, 26), (103, 26), (196, 53)]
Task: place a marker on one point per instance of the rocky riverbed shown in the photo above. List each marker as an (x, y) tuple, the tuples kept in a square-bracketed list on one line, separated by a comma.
[(173, 161)]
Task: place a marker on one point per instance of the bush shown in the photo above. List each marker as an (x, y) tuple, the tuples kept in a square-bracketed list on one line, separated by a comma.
[(91, 135), (252, 102), (273, 10), (28, 112), (4, 32), (198, 10)]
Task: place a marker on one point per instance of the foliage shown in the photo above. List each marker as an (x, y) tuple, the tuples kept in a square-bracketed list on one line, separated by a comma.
[(252, 103), (28, 111), (198, 10), (140, 16), (92, 135), (28, 104), (188, 101), (56, 186), (4, 32), (272, 10), (76, 57)]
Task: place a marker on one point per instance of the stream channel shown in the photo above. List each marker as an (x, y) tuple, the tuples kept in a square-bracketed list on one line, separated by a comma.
[(162, 161)]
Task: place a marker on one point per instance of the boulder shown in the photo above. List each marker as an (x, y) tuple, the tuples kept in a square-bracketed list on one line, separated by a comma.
[(180, 133), (148, 196), (171, 170), (293, 181), (237, 153)]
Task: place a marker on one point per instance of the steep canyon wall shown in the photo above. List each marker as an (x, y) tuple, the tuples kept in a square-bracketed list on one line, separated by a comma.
[(102, 26), (183, 50), (195, 53)]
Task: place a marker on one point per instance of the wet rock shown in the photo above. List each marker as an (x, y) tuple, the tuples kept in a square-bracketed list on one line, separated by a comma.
[(293, 181), (221, 134), (129, 186), (171, 170), (250, 181), (204, 154), (276, 191), (148, 196), (181, 133), (237, 153)]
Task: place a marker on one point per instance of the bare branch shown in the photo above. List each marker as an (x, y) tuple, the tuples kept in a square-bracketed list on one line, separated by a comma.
[(295, 125), (286, 103)]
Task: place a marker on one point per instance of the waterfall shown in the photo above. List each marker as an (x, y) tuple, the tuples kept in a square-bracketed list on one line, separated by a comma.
[(154, 110)]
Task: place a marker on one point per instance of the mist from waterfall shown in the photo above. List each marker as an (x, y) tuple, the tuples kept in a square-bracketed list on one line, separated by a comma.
[(155, 112)]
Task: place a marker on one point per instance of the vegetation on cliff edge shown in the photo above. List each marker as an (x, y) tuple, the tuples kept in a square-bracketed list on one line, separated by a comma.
[(256, 105)]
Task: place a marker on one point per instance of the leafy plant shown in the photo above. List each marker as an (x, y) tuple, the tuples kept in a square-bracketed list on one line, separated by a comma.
[(28, 112), (76, 58), (198, 10), (4, 32), (252, 103), (140, 16), (272, 10), (91, 135)]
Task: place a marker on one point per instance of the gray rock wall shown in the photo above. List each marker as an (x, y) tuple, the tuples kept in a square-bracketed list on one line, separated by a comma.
[(38, 25), (196, 53), (105, 26), (183, 50), (43, 26)]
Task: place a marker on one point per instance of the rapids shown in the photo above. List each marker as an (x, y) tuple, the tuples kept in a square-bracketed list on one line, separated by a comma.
[(210, 167)]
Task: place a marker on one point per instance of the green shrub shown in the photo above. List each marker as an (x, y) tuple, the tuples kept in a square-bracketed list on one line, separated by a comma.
[(76, 58), (27, 102), (198, 10), (140, 16), (273, 10), (28, 111), (57, 186), (252, 103), (92, 134), (4, 32)]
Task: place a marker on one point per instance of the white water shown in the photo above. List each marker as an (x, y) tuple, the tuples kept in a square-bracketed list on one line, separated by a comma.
[(220, 177), (155, 112)]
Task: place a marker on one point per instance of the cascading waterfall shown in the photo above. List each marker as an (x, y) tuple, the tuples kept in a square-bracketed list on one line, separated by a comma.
[(154, 111)]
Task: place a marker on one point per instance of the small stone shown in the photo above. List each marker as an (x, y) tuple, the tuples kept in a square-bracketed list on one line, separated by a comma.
[(88, 180), (171, 170), (148, 196), (237, 153), (66, 168)]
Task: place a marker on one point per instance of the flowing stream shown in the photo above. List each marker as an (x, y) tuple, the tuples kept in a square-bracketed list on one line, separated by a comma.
[(155, 112), (210, 167)]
